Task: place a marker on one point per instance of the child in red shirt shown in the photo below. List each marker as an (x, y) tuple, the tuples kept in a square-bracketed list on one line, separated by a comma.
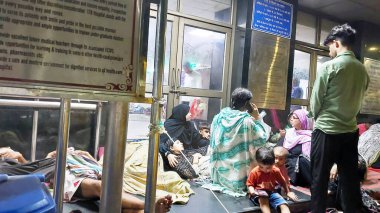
[(262, 181)]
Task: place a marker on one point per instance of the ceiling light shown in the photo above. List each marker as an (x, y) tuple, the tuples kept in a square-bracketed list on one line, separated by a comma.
[(373, 48)]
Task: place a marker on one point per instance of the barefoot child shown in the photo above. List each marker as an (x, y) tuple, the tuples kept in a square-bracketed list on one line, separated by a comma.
[(262, 181), (280, 154)]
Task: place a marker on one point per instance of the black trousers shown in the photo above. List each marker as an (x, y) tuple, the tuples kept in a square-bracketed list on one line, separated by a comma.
[(342, 149), (44, 166)]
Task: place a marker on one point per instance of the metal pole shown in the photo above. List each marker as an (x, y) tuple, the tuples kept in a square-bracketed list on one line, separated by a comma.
[(112, 179), (63, 140), (34, 135), (159, 60), (99, 108)]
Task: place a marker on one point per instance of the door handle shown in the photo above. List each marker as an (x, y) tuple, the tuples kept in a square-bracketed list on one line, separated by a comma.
[(174, 83), (178, 74), (177, 91)]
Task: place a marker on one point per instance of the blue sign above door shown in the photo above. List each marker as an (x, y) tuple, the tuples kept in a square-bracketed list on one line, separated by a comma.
[(273, 17)]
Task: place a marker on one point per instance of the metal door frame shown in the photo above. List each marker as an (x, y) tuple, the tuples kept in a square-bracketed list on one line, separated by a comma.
[(314, 53), (222, 94), (175, 62)]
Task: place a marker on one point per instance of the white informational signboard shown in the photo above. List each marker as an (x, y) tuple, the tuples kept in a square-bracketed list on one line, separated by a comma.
[(87, 46), (371, 101)]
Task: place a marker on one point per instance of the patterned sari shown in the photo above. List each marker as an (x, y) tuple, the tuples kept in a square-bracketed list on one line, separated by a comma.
[(235, 136)]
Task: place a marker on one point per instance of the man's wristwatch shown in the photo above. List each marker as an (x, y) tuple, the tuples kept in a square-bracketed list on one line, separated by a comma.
[(167, 153)]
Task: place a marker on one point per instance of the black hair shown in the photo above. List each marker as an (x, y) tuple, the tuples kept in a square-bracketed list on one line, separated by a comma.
[(203, 125), (362, 168), (265, 156), (344, 33), (240, 97), (170, 143), (296, 81), (10, 139), (376, 121)]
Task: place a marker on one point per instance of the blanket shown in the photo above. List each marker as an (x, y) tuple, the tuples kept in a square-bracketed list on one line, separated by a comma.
[(135, 174)]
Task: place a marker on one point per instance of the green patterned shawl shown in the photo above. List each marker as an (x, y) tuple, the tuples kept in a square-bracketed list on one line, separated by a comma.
[(235, 136)]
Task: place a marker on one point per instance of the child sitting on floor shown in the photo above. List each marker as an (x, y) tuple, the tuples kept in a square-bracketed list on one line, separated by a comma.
[(280, 154), (262, 181), (204, 130)]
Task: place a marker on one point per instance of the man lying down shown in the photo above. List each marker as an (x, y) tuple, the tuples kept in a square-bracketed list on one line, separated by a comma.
[(82, 177)]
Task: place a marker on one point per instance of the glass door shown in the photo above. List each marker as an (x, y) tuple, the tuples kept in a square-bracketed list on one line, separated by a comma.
[(139, 113), (202, 68), (170, 52), (195, 72)]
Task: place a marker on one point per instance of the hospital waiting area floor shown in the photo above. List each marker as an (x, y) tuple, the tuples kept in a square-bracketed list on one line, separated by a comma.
[(204, 201)]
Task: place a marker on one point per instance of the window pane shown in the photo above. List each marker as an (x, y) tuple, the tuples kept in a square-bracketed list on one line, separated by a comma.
[(172, 5), (320, 60), (300, 83), (295, 107), (306, 29), (16, 129), (209, 9), (202, 109), (139, 119), (82, 128), (47, 133), (81, 132), (326, 27), (203, 59), (151, 49)]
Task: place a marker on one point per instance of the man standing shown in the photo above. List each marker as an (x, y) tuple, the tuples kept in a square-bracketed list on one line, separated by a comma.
[(297, 93), (335, 101)]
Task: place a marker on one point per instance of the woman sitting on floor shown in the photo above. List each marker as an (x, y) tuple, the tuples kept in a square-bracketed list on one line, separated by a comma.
[(236, 133), (180, 127), (298, 142)]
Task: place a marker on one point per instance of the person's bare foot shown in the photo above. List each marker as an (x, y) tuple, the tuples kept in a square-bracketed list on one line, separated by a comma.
[(163, 204)]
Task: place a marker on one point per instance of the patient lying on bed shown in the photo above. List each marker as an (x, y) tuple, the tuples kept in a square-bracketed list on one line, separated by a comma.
[(82, 180)]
